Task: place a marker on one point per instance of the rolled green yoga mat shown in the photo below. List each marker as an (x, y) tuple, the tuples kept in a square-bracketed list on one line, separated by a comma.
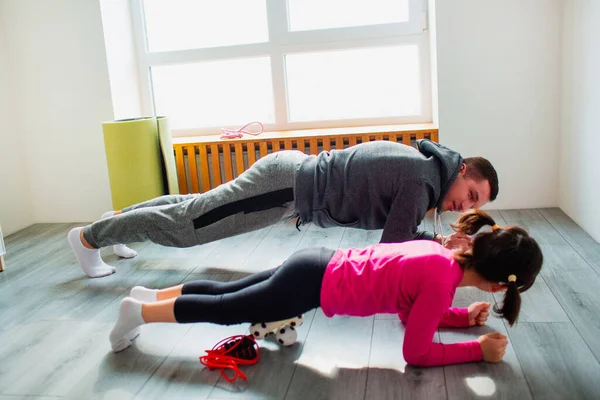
[(166, 147), (136, 168)]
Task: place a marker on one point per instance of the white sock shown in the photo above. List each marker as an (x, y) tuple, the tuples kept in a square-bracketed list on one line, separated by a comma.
[(123, 251), (144, 294), (89, 259), (130, 319), (120, 249)]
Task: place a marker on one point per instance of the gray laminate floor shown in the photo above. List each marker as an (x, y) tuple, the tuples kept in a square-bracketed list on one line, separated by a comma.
[(54, 325)]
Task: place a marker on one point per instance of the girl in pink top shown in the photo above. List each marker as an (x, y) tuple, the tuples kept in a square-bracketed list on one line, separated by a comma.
[(415, 280)]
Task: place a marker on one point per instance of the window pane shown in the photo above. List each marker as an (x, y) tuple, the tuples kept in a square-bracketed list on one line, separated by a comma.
[(324, 14), (192, 24), (363, 83), (218, 93)]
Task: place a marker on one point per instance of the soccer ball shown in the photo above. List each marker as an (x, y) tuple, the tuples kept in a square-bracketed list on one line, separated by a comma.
[(286, 335), (285, 331)]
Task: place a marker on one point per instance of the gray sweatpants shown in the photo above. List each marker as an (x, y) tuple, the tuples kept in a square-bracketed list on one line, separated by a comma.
[(259, 197)]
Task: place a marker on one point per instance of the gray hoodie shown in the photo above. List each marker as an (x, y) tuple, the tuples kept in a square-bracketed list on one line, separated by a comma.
[(376, 185)]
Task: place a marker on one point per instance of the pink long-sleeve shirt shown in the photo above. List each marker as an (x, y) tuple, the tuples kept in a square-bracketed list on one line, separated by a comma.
[(416, 280)]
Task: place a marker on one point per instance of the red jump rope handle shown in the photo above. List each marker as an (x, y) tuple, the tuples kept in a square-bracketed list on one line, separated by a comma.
[(219, 356)]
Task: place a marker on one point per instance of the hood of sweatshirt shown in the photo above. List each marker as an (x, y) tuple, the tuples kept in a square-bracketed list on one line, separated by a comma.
[(449, 161)]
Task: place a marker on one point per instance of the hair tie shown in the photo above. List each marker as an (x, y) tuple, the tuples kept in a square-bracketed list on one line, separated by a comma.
[(512, 278), (495, 227)]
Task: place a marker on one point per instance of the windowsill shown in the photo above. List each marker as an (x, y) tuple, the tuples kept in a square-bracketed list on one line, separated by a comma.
[(312, 133)]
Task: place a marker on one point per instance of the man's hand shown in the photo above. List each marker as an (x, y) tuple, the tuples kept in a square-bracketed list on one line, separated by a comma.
[(478, 313), (493, 346), (457, 240)]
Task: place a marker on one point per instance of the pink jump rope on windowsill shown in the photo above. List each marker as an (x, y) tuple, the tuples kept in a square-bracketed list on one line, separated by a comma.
[(238, 133)]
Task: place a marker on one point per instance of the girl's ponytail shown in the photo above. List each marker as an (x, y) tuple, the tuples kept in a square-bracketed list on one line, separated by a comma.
[(511, 305)]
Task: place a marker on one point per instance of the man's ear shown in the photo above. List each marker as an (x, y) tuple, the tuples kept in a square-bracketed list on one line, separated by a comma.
[(463, 169)]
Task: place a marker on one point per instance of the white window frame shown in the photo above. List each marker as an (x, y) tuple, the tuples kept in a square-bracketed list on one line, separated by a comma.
[(283, 42)]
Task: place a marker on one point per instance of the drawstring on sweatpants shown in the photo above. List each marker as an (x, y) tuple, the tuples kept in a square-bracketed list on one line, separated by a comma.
[(295, 215)]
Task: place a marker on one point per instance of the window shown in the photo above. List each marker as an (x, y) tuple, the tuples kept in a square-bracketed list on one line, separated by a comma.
[(290, 64)]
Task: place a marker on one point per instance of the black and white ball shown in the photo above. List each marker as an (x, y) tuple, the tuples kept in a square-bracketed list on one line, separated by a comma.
[(260, 330), (286, 335), (285, 330)]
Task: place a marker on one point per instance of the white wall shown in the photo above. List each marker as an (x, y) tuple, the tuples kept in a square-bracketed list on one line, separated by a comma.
[(15, 198), (433, 63), (580, 130), (62, 95), (498, 66), (121, 58)]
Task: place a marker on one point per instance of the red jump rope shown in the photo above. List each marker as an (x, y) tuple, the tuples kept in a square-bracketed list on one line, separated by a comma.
[(231, 352)]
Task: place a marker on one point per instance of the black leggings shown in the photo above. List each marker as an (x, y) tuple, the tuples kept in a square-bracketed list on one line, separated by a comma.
[(284, 292)]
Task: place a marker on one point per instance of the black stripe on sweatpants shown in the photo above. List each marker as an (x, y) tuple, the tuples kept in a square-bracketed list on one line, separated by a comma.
[(262, 202)]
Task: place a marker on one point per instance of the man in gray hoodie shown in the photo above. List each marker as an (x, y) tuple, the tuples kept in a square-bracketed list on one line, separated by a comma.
[(372, 185)]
